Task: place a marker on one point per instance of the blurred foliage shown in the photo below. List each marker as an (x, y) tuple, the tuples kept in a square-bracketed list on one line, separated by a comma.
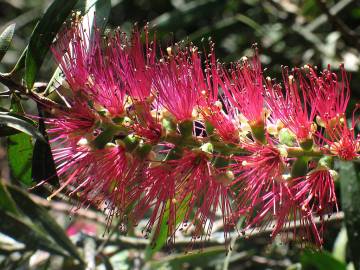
[(287, 32)]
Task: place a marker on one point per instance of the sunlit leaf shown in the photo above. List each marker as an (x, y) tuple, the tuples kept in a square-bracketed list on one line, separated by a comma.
[(20, 123), (40, 216), (43, 35), (5, 39), (26, 233)]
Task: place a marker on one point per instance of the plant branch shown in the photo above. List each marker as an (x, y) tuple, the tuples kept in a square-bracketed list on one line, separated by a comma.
[(351, 36)]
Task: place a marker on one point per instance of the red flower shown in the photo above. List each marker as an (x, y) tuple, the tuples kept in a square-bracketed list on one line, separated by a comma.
[(185, 188), (255, 175), (341, 138), (329, 96), (315, 192), (133, 62), (291, 108), (243, 87), (175, 81)]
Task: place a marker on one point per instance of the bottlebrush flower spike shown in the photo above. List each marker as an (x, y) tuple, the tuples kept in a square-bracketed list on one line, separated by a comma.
[(215, 108), (329, 96), (131, 137), (95, 176), (292, 108), (341, 138), (187, 187), (174, 79), (84, 62), (133, 61), (71, 124), (243, 87), (73, 52), (255, 174), (315, 192)]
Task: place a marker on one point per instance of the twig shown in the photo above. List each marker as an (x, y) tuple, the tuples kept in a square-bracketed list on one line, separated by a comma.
[(132, 242), (232, 246), (6, 80), (271, 262), (311, 26), (351, 36), (67, 208), (89, 253)]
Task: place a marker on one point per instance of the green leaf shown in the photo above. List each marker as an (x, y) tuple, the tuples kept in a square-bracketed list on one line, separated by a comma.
[(320, 261), (19, 151), (161, 239), (6, 202), (20, 123), (40, 216), (187, 15), (102, 9), (43, 35), (26, 233), (208, 257), (7, 131), (339, 249), (350, 202), (43, 166), (5, 39)]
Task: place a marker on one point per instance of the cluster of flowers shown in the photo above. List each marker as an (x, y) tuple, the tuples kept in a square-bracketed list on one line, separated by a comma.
[(178, 137)]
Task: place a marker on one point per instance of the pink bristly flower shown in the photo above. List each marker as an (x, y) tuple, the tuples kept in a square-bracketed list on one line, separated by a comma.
[(341, 137), (255, 174), (183, 188), (85, 64), (210, 106), (100, 177), (243, 87), (329, 96), (277, 208), (73, 52), (315, 192), (226, 127), (265, 198), (176, 84), (71, 124), (291, 108), (133, 62)]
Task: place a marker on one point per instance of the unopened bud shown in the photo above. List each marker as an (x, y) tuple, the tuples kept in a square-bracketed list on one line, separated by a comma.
[(334, 175), (291, 79)]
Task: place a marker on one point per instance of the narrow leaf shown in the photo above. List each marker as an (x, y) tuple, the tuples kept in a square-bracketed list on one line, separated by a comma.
[(208, 257), (26, 233), (43, 35), (20, 123), (161, 239), (40, 216), (350, 202), (320, 261), (90, 7), (43, 166), (7, 131), (5, 39), (6, 202), (19, 151)]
